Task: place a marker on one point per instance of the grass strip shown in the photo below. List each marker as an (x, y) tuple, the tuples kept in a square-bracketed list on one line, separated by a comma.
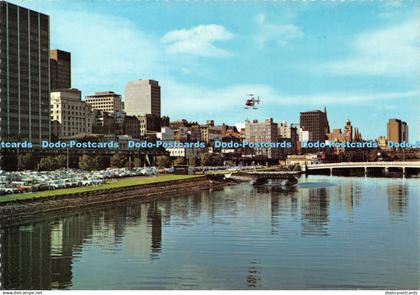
[(115, 183)]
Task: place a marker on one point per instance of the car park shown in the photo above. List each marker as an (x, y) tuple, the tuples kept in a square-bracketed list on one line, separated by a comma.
[(31, 181)]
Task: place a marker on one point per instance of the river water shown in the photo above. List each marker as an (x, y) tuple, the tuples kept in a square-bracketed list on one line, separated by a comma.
[(328, 233)]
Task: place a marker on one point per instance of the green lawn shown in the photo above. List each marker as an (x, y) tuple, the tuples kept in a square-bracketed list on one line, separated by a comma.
[(124, 182)]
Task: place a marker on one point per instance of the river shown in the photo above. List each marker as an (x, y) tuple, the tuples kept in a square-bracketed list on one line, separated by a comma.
[(328, 233)]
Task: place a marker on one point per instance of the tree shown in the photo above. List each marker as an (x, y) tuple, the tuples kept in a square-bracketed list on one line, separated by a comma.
[(61, 161), (217, 160), (138, 162), (118, 160), (205, 159), (26, 161), (209, 159), (179, 161), (47, 163), (193, 161), (8, 161), (101, 162), (87, 162), (163, 161)]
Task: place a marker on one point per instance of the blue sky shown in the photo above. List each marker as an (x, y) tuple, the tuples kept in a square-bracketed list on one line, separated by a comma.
[(358, 58)]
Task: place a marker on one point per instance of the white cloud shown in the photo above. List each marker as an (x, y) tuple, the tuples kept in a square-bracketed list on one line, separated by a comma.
[(279, 34), (392, 51), (105, 49), (197, 40)]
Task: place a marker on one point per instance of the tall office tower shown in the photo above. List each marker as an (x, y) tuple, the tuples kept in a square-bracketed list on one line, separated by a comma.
[(316, 122), (107, 101), (142, 97), (24, 74), (404, 131), (397, 130), (266, 131), (60, 68)]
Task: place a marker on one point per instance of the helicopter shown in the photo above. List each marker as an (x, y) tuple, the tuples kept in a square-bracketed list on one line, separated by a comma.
[(251, 101)]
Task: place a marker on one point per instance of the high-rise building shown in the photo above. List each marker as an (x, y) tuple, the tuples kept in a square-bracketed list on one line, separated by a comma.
[(397, 130), (316, 122), (24, 74), (266, 131), (142, 97), (60, 69), (106, 101), (404, 131), (69, 113)]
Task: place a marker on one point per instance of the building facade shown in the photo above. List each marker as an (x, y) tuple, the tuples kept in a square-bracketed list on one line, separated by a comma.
[(142, 97), (166, 134), (210, 132), (346, 135), (132, 126), (267, 132), (106, 101), (60, 69), (397, 130), (69, 114), (104, 123), (149, 124), (24, 74), (284, 130), (316, 122)]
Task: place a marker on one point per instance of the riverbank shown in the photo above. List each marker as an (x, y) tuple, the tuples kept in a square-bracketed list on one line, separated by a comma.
[(114, 183), (25, 208)]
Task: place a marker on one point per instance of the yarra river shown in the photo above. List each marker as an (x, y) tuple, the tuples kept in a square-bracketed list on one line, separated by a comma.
[(328, 233)]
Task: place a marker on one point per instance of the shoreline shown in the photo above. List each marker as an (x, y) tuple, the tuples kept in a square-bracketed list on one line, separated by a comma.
[(21, 212)]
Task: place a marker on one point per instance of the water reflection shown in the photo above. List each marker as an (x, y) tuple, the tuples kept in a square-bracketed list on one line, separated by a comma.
[(253, 278), (398, 199), (241, 237), (314, 212), (40, 256)]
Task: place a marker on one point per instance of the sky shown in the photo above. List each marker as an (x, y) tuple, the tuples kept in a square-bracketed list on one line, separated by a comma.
[(360, 59)]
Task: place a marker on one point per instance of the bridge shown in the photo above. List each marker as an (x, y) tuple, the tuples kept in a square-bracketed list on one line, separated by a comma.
[(364, 165)]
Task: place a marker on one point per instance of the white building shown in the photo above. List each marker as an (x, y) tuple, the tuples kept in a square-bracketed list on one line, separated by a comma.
[(106, 101), (284, 130), (303, 135), (69, 114)]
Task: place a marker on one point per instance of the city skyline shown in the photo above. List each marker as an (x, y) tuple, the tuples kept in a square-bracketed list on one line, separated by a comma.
[(361, 70)]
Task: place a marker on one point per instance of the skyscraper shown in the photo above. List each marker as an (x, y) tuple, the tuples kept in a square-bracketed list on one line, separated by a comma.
[(316, 122), (24, 74), (60, 67), (397, 130), (266, 131), (142, 97)]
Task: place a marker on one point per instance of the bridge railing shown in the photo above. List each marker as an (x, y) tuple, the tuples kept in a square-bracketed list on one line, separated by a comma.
[(413, 164)]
